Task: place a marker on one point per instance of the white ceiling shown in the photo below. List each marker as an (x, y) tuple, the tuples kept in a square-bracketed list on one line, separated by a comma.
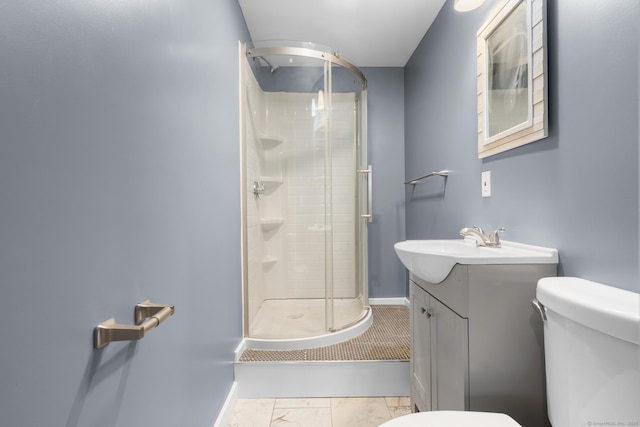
[(369, 33)]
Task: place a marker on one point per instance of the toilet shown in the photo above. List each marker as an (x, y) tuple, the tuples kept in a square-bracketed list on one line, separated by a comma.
[(453, 419), (592, 360)]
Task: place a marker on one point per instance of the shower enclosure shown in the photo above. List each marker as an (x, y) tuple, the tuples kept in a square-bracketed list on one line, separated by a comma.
[(306, 192)]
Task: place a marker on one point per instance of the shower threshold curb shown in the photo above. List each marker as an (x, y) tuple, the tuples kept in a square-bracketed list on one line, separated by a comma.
[(374, 363), (368, 378)]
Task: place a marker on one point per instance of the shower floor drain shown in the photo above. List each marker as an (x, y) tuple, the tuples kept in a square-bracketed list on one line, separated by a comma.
[(294, 316)]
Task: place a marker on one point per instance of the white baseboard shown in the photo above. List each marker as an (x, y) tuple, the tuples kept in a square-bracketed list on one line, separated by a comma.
[(227, 408), (389, 301), (240, 349)]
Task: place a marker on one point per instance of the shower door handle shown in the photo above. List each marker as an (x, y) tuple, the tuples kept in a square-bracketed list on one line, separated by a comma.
[(368, 173)]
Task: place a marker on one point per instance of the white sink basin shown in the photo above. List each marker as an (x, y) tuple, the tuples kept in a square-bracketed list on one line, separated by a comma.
[(433, 260)]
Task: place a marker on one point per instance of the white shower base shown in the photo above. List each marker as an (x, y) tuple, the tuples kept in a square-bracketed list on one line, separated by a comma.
[(300, 323)]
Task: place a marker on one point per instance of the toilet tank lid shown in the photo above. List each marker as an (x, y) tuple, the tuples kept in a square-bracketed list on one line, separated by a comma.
[(604, 308)]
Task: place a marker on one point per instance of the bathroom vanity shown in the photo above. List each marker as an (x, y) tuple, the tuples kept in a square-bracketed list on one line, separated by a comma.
[(477, 344)]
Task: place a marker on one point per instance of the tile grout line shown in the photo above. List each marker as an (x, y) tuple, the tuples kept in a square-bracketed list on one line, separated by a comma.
[(331, 410), (273, 412), (393, 405)]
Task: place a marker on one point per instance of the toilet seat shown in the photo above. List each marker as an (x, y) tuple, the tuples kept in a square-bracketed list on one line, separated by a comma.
[(453, 419)]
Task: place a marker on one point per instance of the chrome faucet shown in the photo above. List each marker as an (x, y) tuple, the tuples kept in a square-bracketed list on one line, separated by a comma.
[(491, 241), (477, 233)]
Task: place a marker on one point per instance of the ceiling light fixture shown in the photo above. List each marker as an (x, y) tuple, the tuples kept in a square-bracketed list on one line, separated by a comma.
[(466, 5)]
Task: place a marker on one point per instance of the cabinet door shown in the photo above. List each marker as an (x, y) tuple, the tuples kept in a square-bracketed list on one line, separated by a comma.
[(420, 364), (450, 358), (439, 354)]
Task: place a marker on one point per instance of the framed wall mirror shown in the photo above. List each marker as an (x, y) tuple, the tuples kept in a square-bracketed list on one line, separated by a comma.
[(512, 77)]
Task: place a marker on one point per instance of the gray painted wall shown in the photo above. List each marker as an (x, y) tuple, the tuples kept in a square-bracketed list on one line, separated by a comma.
[(305, 79), (576, 190), (118, 156), (385, 135)]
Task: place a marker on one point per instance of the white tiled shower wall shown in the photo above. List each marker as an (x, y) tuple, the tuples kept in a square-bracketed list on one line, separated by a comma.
[(254, 234), (305, 187), (296, 248)]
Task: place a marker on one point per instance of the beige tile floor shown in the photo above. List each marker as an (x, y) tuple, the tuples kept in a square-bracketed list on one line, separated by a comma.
[(318, 412)]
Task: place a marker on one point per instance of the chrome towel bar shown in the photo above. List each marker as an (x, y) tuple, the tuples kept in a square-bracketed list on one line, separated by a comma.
[(147, 316), (414, 181)]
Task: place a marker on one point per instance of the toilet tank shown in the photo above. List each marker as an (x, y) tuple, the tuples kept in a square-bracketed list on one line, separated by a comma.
[(592, 353)]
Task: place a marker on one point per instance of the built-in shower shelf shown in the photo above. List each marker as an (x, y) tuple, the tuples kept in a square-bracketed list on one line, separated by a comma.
[(271, 179), (269, 260), (271, 223), (269, 142)]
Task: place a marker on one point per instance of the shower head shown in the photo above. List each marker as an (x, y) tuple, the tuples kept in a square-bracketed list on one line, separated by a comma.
[(272, 67)]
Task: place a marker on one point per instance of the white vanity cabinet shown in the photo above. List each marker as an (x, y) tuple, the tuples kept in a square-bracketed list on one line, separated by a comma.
[(476, 343)]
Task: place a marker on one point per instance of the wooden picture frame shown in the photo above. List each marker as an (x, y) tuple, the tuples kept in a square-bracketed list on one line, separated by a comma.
[(512, 77)]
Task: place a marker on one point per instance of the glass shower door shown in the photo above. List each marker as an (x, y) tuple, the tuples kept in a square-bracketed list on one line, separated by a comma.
[(301, 215), (365, 192), (351, 210)]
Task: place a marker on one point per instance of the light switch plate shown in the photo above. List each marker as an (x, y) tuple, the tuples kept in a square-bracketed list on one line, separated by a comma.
[(486, 184)]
